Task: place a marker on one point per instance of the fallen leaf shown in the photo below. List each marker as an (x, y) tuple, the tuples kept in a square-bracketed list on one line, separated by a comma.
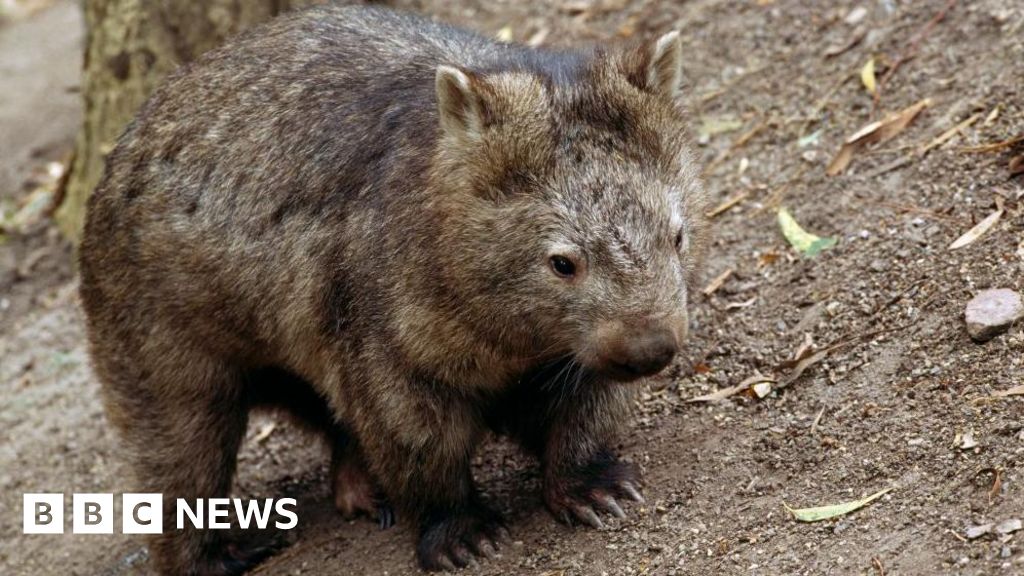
[(1017, 166), (805, 349), (802, 365), (826, 512), (875, 132), (767, 259), (867, 76), (805, 242), (992, 116), (701, 368), (980, 228)]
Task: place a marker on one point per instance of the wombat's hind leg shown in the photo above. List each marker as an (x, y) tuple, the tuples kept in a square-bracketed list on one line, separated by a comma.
[(183, 417), (355, 491)]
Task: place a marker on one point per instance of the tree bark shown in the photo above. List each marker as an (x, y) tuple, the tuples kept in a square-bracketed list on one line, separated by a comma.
[(130, 46)]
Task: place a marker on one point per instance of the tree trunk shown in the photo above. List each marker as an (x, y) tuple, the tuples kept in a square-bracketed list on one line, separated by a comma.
[(130, 46)]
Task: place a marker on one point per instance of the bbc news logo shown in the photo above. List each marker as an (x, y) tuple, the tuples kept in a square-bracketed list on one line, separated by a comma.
[(143, 513)]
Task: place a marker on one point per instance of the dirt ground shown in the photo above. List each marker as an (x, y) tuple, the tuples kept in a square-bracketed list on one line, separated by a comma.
[(903, 402)]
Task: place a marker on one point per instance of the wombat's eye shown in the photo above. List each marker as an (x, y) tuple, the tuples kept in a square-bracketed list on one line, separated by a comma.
[(562, 266), (679, 240)]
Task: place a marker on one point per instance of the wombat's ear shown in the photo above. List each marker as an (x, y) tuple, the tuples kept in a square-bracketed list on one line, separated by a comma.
[(459, 105), (657, 66)]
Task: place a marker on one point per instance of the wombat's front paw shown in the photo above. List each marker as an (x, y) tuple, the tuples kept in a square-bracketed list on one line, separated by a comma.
[(575, 493), (454, 541)]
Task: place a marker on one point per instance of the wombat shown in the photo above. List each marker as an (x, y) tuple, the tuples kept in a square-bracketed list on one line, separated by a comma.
[(408, 235)]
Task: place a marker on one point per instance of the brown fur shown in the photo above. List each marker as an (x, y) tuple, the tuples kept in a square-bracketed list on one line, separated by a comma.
[(351, 213)]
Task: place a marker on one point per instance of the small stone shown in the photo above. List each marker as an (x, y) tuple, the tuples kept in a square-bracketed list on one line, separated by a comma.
[(856, 15), (978, 531), (1009, 526), (992, 312)]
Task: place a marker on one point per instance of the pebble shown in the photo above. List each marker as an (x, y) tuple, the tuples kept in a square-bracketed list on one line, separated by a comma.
[(992, 312)]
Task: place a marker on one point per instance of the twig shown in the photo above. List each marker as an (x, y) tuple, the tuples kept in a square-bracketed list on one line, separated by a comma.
[(725, 206), (910, 51), (995, 146), (878, 566)]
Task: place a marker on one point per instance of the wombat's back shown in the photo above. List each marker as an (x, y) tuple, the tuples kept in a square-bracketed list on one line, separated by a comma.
[(248, 175)]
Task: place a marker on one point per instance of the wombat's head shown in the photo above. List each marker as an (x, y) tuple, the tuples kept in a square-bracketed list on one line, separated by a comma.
[(572, 205)]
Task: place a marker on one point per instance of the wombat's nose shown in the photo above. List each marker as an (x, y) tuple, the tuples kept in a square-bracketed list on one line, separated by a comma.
[(644, 353)]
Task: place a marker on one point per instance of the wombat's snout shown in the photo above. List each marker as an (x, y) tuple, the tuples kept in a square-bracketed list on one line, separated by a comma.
[(627, 352)]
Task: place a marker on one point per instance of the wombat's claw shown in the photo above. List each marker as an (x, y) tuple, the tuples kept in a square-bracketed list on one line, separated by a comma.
[(629, 490), (577, 496), (588, 516), (610, 505), (457, 542), (386, 516)]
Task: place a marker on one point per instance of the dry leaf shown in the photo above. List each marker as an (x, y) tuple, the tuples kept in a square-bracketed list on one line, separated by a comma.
[(1017, 166), (767, 259), (992, 116), (802, 365), (980, 228), (833, 511), (867, 76), (875, 132), (808, 244)]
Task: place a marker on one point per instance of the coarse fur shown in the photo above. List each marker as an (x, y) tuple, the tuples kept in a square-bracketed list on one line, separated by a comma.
[(368, 218)]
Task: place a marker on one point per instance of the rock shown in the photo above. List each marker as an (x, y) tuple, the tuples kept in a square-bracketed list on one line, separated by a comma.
[(992, 312), (978, 531), (1009, 526)]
